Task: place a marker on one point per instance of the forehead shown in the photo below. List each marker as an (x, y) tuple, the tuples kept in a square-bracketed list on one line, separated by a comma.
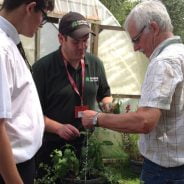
[(132, 29), (81, 39)]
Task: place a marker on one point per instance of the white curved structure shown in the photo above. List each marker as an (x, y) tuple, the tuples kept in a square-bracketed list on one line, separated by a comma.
[(124, 68)]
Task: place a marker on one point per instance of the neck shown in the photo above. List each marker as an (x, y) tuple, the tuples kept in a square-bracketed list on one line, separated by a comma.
[(164, 36), (73, 62), (15, 17)]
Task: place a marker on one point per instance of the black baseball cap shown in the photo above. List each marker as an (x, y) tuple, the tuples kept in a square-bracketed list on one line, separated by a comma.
[(75, 25)]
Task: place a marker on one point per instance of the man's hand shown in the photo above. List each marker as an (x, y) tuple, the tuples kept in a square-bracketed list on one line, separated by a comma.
[(107, 108), (87, 118), (68, 132), (65, 131)]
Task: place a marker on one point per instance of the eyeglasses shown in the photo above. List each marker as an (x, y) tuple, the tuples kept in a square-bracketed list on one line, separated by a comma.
[(136, 38), (45, 17)]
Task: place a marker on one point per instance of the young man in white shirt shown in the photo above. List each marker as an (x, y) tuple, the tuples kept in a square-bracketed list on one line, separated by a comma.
[(21, 119)]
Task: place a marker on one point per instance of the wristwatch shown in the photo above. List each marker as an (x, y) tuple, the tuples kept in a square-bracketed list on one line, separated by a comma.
[(95, 119)]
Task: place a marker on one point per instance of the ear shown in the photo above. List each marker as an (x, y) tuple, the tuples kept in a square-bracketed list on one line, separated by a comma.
[(154, 27), (61, 38), (30, 7)]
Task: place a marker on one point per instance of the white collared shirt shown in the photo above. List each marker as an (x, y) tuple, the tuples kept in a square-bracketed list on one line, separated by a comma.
[(20, 104), (163, 88)]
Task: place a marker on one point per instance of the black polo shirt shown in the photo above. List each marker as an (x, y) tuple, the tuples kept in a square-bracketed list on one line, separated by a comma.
[(57, 96)]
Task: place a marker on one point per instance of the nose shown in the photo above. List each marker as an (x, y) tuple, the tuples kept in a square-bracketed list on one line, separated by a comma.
[(136, 47)]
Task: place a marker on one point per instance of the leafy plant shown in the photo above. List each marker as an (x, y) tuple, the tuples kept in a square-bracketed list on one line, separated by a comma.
[(93, 166), (67, 165), (49, 176), (175, 9), (130, 146)]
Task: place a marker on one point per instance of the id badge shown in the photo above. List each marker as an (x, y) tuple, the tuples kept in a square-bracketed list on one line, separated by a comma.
[(79, 110)]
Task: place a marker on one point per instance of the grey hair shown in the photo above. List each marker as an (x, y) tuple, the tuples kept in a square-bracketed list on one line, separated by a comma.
[(147, 11)]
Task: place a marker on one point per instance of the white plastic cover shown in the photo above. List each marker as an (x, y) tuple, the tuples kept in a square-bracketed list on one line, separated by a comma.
[(125, 68)]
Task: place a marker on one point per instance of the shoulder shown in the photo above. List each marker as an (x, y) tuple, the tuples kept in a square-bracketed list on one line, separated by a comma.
[(6, 44), (9, 54), (46, 61), (172, 54)]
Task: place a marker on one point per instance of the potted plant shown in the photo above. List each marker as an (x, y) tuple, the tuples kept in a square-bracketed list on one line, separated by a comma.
[(68, 169)]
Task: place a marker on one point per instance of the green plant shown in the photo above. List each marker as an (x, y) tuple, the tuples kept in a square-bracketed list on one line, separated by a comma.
[(91, 159), (49, 176), (67, 165), (130, 146)]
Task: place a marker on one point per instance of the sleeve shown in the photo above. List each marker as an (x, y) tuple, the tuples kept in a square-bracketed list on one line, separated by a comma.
[(39, 79), (160, 82), (5, 86), (104, 88)]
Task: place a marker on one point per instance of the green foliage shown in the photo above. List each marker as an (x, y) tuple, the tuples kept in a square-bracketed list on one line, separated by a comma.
[(119, 8), (130, 146), (113, 174), (49, 176), (175, 9), (65, 164), (94, 166), (121, 174), (117, 108)]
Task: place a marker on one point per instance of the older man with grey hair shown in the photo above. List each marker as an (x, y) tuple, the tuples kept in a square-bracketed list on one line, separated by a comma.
[(160, 116)]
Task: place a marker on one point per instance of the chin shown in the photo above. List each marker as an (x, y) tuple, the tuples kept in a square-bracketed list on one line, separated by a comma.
[(30, 35), (80, 57)]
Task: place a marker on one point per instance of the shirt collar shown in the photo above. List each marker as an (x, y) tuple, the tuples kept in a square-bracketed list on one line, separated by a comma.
[(9, 29), (165, 43)]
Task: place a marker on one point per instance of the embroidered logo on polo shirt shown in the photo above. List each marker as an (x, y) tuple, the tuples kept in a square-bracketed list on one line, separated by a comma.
[(91, 79)]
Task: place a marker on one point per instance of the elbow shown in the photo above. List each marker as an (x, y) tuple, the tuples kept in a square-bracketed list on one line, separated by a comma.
[(147, 127), (148, 118)]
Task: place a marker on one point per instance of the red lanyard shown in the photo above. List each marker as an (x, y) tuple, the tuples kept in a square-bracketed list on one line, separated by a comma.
[(72, 82)]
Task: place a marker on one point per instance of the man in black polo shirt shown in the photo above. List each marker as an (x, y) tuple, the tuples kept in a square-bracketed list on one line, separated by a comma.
[(69, 81)]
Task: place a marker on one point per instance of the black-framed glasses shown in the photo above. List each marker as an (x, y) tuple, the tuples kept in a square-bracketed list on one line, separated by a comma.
[(136, 38), (45, 17)]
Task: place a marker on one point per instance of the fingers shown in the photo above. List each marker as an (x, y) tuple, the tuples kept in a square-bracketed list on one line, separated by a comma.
[(68, 132), (87, 118)]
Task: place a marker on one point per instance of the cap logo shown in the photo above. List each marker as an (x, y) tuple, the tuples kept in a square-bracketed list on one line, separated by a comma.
[(78, 23)]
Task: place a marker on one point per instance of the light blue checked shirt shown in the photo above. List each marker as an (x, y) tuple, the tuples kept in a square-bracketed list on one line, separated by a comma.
[(163, 88)]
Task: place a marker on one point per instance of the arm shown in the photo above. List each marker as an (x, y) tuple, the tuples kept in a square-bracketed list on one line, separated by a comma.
[(8, 168), (144, 120), (65, 131)]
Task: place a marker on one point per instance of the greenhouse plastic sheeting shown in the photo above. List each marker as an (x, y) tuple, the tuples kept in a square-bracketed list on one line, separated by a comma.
[(125, 68)]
